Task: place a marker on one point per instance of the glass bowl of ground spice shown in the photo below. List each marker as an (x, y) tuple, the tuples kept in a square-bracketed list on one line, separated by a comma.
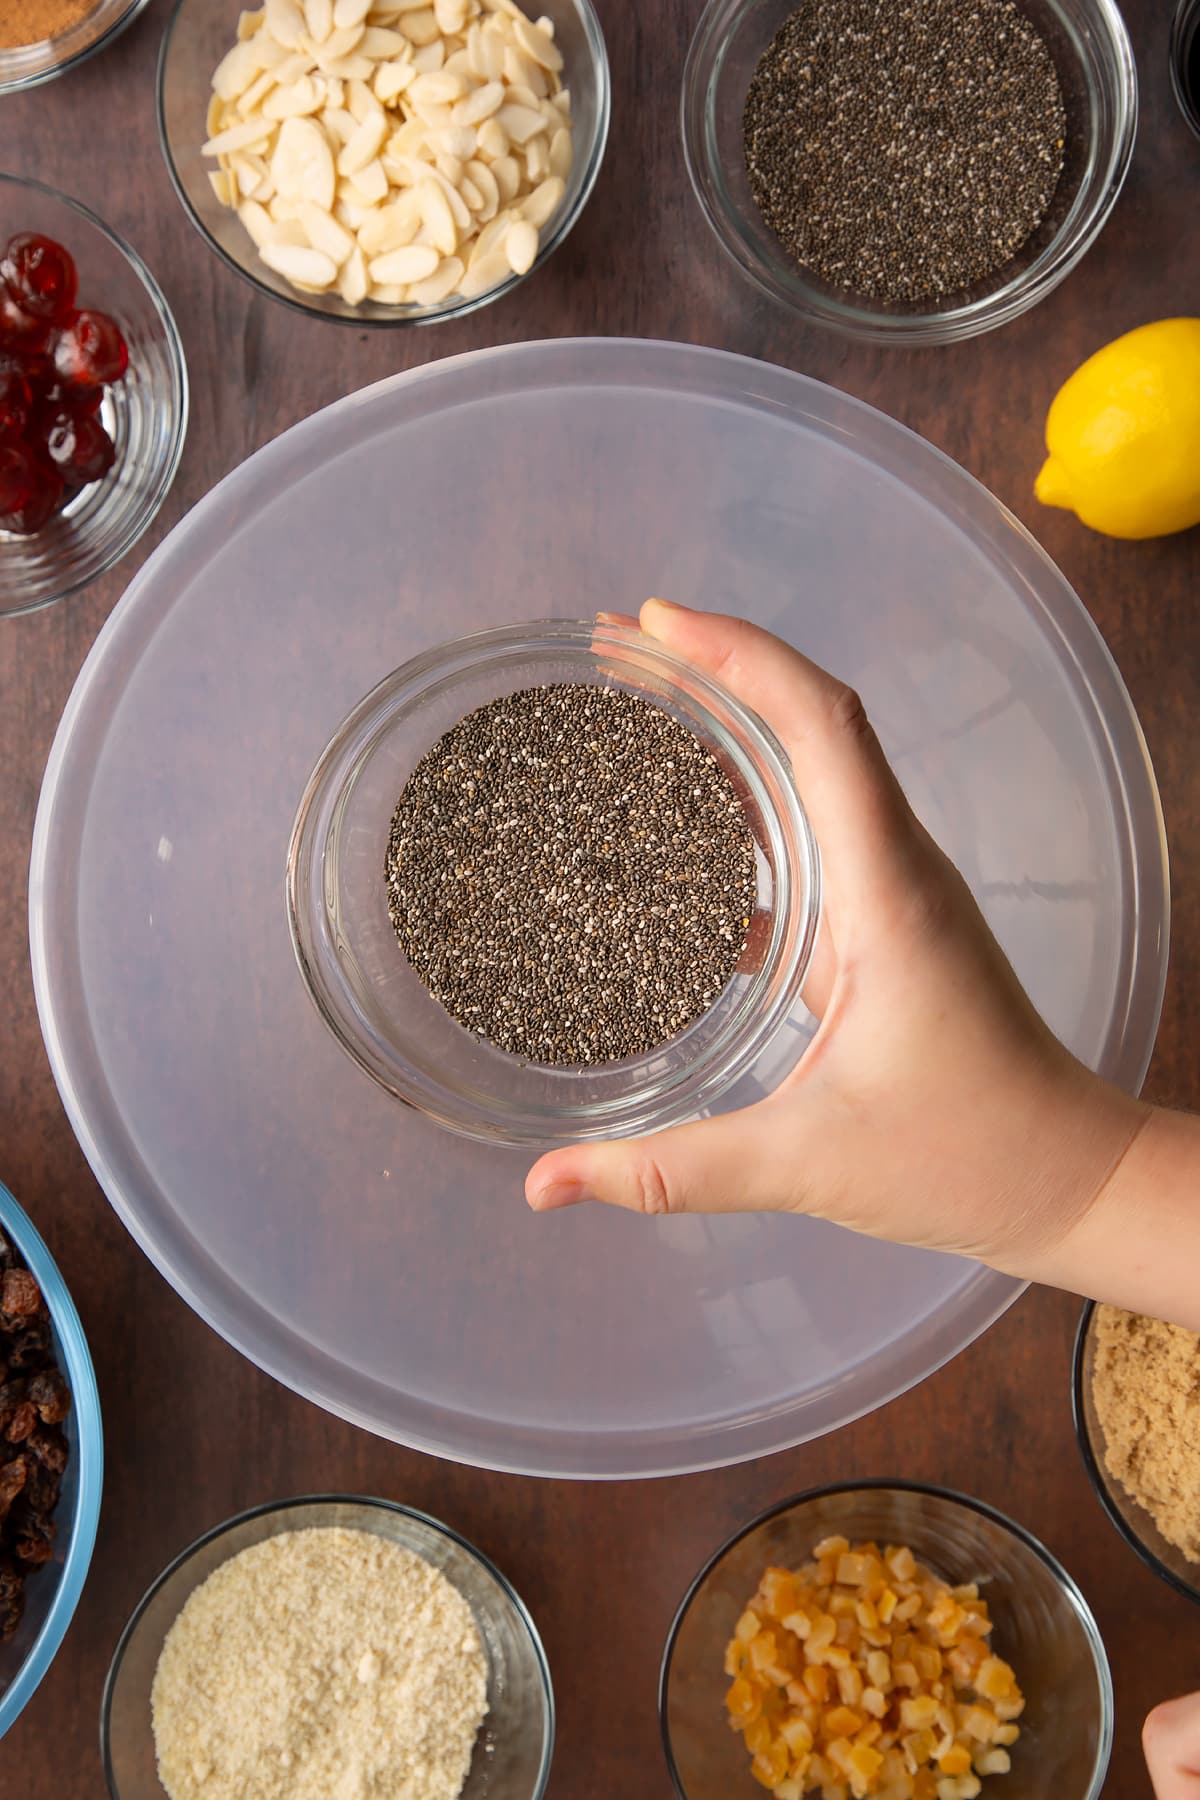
[(910, 176), (329, 1645), (884, 1637), (106, 374), (43, 38), (1136, 1401), (548, 882)]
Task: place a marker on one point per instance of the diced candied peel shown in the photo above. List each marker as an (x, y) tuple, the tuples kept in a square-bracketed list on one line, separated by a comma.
[(863, 1676)]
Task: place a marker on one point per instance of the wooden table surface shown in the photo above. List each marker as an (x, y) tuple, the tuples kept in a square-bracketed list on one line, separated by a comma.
[(194, 1432)]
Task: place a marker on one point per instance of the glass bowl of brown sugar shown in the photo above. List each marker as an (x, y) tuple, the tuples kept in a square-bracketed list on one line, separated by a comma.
[(40, 39), (542, 944), (892, 164), (1133, 1397)]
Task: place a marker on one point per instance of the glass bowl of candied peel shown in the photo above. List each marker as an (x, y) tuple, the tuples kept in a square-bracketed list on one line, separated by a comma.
[(51, 1459), (885, 1641)]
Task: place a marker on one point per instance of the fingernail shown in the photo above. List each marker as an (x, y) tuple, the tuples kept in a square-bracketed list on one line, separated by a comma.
[(657, 600), (559, 1194)]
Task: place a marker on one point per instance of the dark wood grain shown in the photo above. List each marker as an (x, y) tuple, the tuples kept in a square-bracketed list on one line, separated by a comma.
[(193, 1431)]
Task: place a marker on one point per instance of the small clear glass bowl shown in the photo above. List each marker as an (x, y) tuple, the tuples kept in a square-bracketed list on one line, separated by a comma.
[(382, 1013), (28, 65), (198, 36), (516, 1740), (1092, 53), (1044, 1628), (52, 1592), (1131, 1519), (145, 414)]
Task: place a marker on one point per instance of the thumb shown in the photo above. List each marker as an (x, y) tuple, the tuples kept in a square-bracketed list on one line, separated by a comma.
[(697, 1168), (1171, 1740)]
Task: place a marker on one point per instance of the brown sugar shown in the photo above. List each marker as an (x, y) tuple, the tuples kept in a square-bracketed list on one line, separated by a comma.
[(1146, 1388), (25, 22)]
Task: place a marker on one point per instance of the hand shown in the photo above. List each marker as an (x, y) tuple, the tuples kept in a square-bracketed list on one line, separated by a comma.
[(933, 1105), (1171, 1740)]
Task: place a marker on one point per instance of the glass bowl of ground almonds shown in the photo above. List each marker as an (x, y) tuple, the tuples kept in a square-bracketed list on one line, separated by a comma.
[(549, 882), (909, 175), (1136, 1400), (885, 1641), (329, 1648)]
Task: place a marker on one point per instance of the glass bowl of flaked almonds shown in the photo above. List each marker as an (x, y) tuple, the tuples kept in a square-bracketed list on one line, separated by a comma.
[(329, 1645), (381, 162), (885, 1641)]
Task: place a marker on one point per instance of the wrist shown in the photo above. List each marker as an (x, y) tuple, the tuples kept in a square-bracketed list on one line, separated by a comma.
[(1071, 1221), (1137, 1245)]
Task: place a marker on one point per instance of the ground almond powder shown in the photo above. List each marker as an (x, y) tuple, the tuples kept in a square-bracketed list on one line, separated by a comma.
[(1146, 1387), (322, 1664)]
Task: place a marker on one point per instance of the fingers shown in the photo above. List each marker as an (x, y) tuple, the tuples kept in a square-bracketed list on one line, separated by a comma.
[(854, 802), (703, 1167), (1171, 1740)]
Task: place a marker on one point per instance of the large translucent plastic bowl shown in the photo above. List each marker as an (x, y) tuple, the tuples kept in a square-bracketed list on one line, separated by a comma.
[(52, 1592), (379, 1265)]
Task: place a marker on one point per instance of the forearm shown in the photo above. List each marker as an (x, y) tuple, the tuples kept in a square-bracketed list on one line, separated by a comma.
[(1138, 1244)]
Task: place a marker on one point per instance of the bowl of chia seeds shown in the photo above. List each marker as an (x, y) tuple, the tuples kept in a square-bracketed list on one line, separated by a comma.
[(909, 176), (549, 882)]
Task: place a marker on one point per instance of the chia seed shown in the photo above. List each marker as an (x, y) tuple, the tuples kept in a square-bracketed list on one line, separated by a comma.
[(904, 151), (571, 874)]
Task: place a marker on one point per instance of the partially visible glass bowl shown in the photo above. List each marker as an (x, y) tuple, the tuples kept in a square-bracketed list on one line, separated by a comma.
[(197, 37), (145, 414), (382, 1013), (28, 65), (1184, 56), (1094, 59), (516, 1740), (1130, 1518), (52, 1592), (1043, 1627)]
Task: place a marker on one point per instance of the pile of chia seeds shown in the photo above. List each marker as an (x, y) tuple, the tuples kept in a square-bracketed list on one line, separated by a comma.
[(570, 873), (904, 149)]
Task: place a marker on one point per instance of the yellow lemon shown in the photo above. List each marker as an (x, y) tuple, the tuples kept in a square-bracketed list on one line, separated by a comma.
[(1124, 434)]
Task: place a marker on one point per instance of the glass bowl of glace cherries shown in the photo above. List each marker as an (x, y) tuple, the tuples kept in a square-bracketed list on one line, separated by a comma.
[(93, 396)]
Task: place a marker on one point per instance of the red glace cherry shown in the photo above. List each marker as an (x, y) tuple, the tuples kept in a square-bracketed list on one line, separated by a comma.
[(18, 476), (90, 351), (15, 400), (79, 447), (45, 499), (20, 330), (40, 276)]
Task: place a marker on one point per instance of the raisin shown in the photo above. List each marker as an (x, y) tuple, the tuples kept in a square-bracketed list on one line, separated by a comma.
[(23, 1421), (48, 1391), (12, 1598), (20, 1297), (13, 1477)]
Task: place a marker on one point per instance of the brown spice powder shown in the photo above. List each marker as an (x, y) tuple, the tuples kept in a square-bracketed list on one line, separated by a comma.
[(24, 22), (1146, 1387)]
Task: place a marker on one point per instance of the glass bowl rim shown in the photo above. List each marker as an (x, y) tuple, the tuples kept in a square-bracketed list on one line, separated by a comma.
[(1065, 1582), (85, 1400), (370, 1502), (1091, 1463), (910, 330), (177, 361), (19, 84), (732, 1056), (443, 314), (1185, 41)]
